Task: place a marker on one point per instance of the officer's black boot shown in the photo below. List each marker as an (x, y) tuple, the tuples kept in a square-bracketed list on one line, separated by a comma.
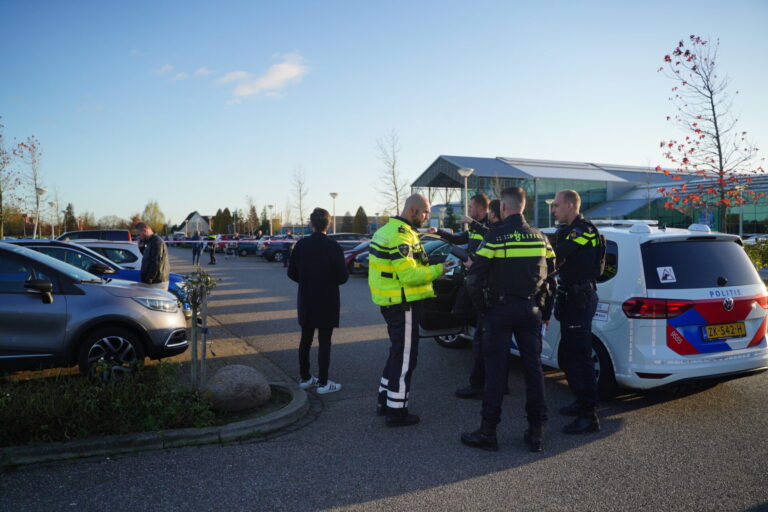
[(483, 438), (534, 437), (586, 422), (400, 418)]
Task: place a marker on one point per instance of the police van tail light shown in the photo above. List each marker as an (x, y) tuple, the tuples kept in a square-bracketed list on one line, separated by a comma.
[(762, 301), (641, 307)]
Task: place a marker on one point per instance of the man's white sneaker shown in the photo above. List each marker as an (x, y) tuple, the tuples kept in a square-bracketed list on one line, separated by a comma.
[(312, 381), (330, 387)]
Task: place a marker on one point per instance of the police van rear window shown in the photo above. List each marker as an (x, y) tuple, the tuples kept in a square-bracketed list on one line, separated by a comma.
[(697, 264)]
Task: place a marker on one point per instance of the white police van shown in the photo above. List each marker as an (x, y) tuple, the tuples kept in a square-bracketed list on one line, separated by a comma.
[(674, 305)]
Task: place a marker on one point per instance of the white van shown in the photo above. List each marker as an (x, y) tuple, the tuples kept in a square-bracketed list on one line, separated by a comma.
[(675, 305)]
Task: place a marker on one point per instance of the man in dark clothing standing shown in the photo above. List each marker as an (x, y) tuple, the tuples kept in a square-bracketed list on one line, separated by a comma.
[(197, 248), (510, 268), (317, 264), (578, 258), (155, 268)]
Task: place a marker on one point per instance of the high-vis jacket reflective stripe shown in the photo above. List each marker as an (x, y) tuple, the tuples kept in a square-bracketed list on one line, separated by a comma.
[(585, 238), (394, 272)]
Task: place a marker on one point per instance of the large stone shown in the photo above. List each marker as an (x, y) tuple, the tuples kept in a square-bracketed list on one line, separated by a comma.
[(237, 388)]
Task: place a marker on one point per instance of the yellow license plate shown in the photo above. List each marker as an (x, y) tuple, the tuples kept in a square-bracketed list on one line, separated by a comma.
[(357, 265), (720, 331)]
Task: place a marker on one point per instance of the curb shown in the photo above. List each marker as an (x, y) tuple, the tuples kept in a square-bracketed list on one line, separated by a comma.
[(160, 439)]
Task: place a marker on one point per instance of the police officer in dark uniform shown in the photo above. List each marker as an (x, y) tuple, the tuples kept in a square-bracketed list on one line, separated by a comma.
[(478, 225), (578, 259), (510, 268)]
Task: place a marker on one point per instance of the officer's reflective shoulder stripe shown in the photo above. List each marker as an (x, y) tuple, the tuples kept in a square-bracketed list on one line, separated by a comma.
[(474, 235)]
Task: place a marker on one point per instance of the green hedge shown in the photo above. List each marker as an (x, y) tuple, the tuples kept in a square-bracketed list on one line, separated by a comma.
[(73, 407)]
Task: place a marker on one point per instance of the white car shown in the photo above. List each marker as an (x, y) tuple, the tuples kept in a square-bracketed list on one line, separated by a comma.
[(674, 305), (125, 254)]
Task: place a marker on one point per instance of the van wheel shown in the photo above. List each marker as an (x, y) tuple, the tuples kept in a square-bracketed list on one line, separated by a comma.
[(606, 378), (451, 341), (110, 352)]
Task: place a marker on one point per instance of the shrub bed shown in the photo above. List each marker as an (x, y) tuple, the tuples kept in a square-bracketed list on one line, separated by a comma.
[(67, 407)]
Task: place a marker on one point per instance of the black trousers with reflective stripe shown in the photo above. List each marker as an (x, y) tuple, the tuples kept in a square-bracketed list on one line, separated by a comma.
[(403, 329)]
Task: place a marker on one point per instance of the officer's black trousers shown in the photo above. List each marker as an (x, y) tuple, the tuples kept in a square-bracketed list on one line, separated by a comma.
[(403, 327), (477, 377), (576, 337), (523, 319)]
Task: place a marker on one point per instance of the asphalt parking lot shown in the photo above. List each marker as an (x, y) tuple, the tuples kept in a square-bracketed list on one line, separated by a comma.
[(699, 449)]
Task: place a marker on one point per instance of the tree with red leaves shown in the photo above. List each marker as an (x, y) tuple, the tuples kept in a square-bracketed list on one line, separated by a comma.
[(712, 148)]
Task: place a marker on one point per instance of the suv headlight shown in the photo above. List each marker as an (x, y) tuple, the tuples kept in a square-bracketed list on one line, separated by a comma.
[(165, 305)]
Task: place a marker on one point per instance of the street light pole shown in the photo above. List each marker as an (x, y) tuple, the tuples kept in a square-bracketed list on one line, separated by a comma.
[(270, 206), (334, 195), (549, 210), (466, 173), (377, 220)]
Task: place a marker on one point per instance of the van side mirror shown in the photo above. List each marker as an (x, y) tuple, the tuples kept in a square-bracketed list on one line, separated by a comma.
[(41, 286)]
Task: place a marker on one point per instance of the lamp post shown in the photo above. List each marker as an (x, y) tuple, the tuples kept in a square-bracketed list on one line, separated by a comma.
[(377, 220), (270, 206), (54, 217), (466, 173), (741, 188), (549, 211), (39, 192), (334, 195)]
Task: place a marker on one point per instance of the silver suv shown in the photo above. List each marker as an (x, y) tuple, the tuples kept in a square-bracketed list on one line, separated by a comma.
[(54, 314)]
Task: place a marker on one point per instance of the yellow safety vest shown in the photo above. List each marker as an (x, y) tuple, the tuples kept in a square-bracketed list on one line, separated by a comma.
[(398, 266)]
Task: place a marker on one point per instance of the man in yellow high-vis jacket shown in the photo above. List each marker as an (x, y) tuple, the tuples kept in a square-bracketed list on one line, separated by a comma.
[(400, 277)]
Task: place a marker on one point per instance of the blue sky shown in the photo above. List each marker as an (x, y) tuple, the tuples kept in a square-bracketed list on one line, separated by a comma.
[(199, 104)]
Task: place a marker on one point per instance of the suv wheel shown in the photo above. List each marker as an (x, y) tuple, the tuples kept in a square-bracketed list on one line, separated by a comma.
[(243, 252), (109, 352), (279, 256), (451, 341), (606, 378)]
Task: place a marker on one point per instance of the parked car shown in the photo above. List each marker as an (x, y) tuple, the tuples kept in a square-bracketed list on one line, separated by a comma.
[(125, 254), (54, 314), (348, 240), (360, 264), (276, 250), (97, 234), (255, 247), (675, 305), (351, 254), (89, 260)]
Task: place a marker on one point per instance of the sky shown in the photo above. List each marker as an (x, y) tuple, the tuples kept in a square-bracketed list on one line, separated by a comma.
[(198, 105)]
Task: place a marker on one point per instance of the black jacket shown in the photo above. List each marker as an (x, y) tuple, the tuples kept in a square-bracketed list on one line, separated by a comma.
[(472, 236), (155, 267), (578, 251), (317, 264), (513, 259)]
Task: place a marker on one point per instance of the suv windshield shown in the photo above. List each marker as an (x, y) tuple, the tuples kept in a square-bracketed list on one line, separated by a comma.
[(697, 264)]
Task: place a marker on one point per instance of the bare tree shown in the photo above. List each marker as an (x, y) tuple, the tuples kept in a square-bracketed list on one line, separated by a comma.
[(712, 148), (300, 193), (496, 186), (8, 181), (393, 187), (253, 215), (29, 153)]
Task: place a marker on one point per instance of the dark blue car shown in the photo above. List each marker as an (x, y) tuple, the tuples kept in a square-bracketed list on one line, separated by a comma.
[(93, 262)]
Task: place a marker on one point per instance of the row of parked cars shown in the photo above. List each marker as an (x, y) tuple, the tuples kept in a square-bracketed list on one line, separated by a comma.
[(65, 303)]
